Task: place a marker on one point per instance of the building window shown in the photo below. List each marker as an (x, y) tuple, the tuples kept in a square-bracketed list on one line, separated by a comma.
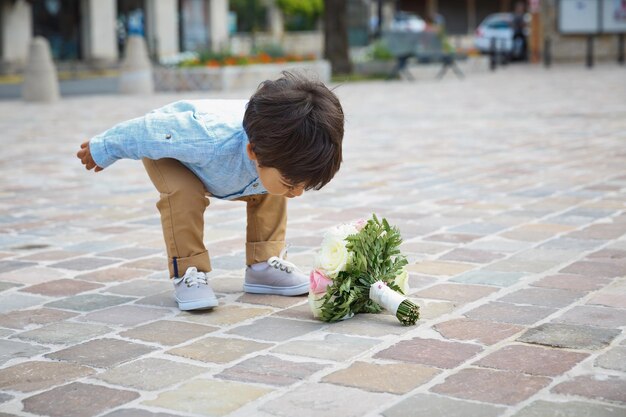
[(131, 20), (59, 22), (194, 25)]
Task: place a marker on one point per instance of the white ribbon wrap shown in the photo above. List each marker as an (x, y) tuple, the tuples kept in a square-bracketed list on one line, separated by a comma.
[(389, 299)]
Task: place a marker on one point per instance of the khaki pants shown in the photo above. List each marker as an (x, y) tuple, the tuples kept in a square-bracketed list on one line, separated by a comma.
[(183, 201)]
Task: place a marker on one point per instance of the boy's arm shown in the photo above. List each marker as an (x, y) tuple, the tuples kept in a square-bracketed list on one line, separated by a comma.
[(177, 135)]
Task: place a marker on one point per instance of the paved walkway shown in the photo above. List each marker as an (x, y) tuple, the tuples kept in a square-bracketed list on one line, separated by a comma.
[(510, 192)]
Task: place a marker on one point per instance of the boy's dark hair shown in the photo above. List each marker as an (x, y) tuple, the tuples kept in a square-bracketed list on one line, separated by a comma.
[(296, 126)]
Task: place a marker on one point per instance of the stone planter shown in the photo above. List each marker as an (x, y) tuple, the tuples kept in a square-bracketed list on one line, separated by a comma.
[(380, 68), (239, 77)]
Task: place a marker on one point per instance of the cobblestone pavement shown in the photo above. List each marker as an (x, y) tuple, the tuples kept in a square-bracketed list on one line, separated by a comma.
[(509, 189)]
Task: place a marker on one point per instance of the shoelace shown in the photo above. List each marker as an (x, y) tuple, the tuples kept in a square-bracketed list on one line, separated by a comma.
[(279, 262), (193, 277)]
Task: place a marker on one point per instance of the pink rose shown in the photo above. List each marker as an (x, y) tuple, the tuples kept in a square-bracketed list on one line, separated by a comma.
[(318, 282), (360, 224)]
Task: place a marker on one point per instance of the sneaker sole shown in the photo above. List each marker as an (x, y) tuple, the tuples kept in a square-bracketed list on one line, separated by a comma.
[(197, 305), (267, 289)]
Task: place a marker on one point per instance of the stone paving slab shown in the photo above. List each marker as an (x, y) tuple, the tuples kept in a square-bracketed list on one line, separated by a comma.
[(126, 315), (570, 409), (135, 412), (497, 387), (532, 360), (438, 406), (569, 336), (167, 332), (484, 332), (615, 358), (430, 352), (218, 350), (23, 319), (609, 388), (395, 378), (61, 287), (11, 301), (150, 374), (101, 353), (208, 397), (35, 376), (509, 190), (77, 400), (325, 400), (10, 350), (63, 333), (335, 347), (270, 370), (88, 302)]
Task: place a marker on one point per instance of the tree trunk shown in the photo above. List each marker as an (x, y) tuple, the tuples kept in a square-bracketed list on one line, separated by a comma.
[(336, 36)]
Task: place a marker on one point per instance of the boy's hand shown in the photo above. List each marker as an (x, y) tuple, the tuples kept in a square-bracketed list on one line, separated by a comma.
[(85, 157)]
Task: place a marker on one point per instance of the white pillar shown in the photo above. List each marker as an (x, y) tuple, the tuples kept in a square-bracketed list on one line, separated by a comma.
[(276, 20), (162, 27), (100, 39), (389, 10), (218, 24), (17, 31)]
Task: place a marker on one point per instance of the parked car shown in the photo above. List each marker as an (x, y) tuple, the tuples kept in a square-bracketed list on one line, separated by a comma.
[(499, 26), (407, 22)]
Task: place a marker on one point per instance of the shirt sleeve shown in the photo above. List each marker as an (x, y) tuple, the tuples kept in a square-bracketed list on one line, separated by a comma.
[(160, 134)]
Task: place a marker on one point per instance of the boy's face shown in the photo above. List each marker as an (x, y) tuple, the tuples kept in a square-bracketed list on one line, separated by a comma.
[(273, 181)]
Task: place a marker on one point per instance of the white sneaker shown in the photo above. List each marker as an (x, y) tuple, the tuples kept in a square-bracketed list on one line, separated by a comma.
[(278, 277), (192, 291)]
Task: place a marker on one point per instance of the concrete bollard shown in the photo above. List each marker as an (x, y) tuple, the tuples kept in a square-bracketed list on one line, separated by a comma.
[(41, 82), (136, 70)]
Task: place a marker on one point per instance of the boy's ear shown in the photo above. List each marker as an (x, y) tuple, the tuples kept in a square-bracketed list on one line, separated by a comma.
[(250, 151)]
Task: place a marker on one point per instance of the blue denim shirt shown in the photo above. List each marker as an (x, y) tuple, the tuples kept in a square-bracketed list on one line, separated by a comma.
[(207, 136)]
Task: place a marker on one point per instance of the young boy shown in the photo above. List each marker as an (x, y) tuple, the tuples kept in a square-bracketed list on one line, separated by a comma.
[(286, 139)]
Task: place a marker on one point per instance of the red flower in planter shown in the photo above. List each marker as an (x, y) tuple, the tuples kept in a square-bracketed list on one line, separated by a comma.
[(264, 58)]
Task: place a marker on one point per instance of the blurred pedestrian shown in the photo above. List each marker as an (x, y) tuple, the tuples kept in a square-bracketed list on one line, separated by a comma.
[(519, 32)]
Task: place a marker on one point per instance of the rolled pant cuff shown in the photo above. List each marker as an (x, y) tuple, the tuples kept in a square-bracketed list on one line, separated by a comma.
[(261, 251), (178, 266)]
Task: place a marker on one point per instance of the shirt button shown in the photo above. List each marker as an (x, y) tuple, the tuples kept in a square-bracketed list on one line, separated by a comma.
[(168, 136), (256, 184)]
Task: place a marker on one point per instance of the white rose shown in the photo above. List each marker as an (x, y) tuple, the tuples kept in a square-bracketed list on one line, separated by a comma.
[(333, 256), (342, 231), (402, 281)]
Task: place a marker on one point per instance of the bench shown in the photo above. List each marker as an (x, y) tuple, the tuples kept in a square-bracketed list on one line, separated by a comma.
[(425, 47)]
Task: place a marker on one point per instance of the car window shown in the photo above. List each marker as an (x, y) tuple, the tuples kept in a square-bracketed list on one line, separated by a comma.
[(499, 24)]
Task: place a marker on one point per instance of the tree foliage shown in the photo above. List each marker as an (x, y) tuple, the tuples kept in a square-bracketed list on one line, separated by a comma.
[(305, 7), (251, 15), (301, 14)]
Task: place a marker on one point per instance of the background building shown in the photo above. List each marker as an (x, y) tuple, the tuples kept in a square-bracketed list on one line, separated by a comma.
[(94, 31)]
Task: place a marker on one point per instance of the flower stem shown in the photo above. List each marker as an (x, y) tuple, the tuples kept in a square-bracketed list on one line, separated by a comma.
[(405, 310), (408, 312)]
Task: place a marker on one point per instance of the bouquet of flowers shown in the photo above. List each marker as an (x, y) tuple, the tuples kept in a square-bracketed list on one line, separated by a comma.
[(360, 269)]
